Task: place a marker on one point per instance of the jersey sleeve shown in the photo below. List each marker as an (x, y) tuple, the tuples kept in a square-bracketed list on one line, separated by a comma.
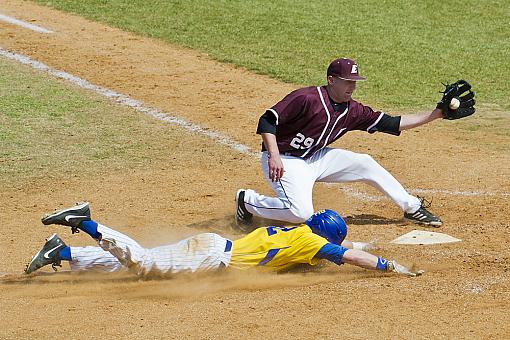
[(267, 123), (387, 124), (332, 252), (364, 118), (290, 107)]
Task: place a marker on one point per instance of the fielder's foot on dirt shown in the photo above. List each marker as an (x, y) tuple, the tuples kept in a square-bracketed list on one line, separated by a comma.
[(243, 216), (423, 216), (70, 217), (49, 254)]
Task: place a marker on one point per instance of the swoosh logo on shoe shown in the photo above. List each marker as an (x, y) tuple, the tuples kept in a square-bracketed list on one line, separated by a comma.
[(68, 217), (46, 254)]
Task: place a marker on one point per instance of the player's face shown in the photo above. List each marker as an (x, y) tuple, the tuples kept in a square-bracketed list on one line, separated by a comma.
[(341, 89)]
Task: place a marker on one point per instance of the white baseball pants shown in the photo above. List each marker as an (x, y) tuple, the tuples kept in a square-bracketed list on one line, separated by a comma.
[(202, 252), (293, 202)]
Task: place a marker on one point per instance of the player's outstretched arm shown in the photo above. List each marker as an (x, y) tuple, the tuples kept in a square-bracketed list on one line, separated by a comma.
[(339, 255), (457, 101), (366, 260), (417, 119)]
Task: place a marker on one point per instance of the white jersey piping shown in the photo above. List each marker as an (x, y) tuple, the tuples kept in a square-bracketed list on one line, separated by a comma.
[(275, 114), (376, 121), (343, 114), (325, 127)]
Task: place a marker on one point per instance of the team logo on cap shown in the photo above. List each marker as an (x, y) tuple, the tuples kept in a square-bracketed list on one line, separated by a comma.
[(354, 69)]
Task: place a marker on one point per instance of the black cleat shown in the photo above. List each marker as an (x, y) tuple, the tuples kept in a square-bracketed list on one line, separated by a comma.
[(243, 216), (49, 254), (423, 216), (71, 217)]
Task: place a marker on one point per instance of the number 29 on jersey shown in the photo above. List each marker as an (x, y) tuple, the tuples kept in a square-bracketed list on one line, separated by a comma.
[(301, 142)]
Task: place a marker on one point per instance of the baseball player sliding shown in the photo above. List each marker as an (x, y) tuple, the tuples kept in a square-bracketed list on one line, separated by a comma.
[(322, 236), (295, 134)]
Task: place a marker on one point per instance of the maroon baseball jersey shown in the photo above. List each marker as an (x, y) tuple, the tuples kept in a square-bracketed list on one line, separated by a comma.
[(306, 121)]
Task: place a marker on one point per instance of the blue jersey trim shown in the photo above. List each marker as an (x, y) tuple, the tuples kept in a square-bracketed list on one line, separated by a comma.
[(269, 256), (332, 252), (272, 230)]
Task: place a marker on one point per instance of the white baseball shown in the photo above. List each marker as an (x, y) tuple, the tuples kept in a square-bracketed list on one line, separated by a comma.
[(454, 104)]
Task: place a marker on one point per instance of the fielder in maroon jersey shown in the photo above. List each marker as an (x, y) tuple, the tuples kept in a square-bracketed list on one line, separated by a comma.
[(296, 132)]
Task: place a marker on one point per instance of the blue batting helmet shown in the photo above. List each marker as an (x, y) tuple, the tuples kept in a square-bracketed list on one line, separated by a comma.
[(328, 224)]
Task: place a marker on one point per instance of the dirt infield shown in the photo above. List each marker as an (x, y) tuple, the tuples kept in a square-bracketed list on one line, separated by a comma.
[(464, 166)]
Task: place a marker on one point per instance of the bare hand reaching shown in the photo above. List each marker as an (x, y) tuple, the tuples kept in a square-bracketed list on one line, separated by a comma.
[(275, 165)]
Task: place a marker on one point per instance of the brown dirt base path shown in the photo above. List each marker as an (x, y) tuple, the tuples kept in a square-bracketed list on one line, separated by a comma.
[(464, 293)]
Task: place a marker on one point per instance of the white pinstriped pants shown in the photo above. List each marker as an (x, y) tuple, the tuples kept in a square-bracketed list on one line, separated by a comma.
[(202, 252), (293, 202)]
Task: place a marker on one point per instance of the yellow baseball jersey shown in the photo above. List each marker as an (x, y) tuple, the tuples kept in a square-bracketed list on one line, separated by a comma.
[(276, 248)]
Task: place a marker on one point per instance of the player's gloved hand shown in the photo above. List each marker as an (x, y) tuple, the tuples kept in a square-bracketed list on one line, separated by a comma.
[(123, 255), (461, 91), (110, 245), (393, 266)]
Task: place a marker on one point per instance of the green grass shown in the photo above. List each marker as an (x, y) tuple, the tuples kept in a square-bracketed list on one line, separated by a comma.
[(405, 48), (49, 128)]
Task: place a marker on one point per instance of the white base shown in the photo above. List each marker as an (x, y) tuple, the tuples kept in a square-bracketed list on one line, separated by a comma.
[(424, 237)]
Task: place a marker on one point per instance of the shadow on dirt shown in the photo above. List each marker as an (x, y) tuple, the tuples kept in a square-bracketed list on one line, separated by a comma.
[(65, 276), (221, 223), (369, 219)]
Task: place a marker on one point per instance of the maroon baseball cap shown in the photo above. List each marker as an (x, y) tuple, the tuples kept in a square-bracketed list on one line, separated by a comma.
[(345, 69)]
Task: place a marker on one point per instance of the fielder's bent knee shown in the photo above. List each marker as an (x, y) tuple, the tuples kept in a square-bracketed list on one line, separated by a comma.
[(300, 215), (366, 161)]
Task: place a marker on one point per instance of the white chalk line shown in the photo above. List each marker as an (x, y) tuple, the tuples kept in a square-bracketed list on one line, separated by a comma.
[(216, 136), (376, 198), (24, 24), (459, 193), (130, 102)]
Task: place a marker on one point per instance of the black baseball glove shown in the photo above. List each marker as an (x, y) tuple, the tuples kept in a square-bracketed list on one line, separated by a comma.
[(460, 90)]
